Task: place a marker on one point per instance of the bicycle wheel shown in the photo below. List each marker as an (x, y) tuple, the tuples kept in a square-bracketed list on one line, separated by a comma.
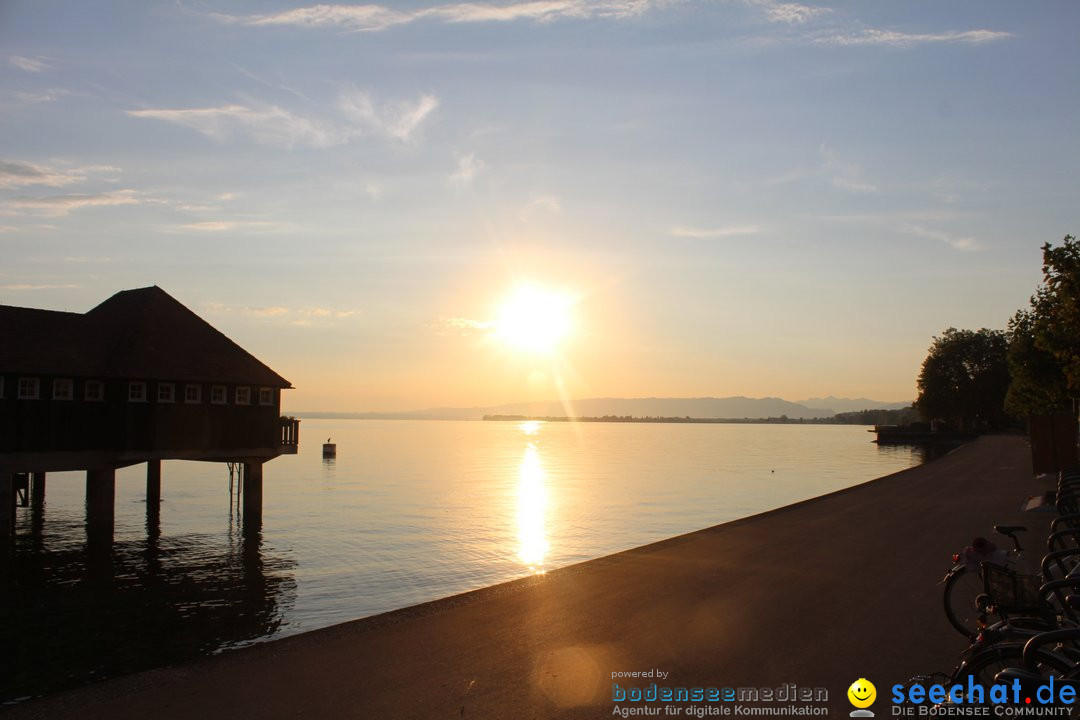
[(961, 589), (984, 664)]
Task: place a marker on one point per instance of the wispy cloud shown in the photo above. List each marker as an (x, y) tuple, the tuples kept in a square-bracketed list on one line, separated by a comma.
[(789, 13), (828, 27), (396, 118), (38, 98), (278, 313), (279, 127), (23, 174), (267, 125), (369, 18), (844, 174), (63, 204), (545, 204), (32, 65), (23, 286), (958, 242), (686, 231), (468, 165), (216, 226), (891, 38), (465, 324)]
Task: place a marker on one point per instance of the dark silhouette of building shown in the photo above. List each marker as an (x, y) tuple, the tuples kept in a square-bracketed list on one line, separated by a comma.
[(137, 379)]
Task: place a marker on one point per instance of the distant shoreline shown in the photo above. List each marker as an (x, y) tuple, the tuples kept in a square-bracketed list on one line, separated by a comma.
[(689, 420), (644, 419), (653, 410)]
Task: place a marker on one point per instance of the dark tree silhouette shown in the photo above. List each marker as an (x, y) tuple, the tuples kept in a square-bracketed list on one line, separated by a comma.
[(964, 379), (1056, 309), (1037, 383)]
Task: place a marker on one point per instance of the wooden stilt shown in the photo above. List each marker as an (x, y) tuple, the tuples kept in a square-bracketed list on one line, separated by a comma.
[(253, 483), (7, 505), (100, 503), (37, 489), (153, 483)]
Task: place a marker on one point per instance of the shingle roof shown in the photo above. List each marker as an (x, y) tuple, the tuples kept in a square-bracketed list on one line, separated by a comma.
[(144, 333)]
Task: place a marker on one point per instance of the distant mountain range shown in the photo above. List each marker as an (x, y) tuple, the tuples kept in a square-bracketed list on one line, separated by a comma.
[(841, 405), (707, 407)]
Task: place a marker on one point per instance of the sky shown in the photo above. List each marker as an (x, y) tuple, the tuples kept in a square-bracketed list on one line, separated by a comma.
[(730, 197)]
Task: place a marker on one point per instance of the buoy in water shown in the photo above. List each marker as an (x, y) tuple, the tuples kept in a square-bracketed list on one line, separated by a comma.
[(329, 449)]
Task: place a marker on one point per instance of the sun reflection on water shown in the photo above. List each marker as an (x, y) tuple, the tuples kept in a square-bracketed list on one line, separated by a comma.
[(532, 507)]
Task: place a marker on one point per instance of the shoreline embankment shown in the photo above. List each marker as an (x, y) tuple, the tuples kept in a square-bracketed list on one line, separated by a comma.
[(815, 594)]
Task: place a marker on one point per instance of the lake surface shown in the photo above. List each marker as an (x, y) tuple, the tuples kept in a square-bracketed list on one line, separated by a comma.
[(409, 511)]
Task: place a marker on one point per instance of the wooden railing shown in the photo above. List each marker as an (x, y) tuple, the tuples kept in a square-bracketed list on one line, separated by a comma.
[(290, 435)]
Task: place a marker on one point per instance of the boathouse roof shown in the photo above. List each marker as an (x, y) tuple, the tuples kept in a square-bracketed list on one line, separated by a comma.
[(137, 334)]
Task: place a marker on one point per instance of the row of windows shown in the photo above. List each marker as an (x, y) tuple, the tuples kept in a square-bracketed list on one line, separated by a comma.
[(94, 390)]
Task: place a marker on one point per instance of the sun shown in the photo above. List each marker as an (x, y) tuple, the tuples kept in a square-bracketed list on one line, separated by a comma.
[(534, 319)]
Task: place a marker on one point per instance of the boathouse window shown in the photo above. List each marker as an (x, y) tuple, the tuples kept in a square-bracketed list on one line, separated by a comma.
[(166, 392), (94, 390), (28, 388), (243, 395), (266, 396), (63, 389), (217, 395), (137, 391), (193, 394)]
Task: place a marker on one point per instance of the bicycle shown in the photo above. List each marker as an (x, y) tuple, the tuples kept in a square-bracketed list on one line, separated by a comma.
[(964, 582)]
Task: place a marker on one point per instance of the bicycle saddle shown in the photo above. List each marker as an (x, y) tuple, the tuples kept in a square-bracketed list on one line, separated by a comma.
[(1009, 529)]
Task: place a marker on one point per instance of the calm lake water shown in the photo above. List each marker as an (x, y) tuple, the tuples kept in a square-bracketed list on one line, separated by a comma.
[(409, 511)]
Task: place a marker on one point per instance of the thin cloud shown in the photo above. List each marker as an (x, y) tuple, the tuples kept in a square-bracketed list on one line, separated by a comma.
[(468, 166), (268, 125), (278, 313), (38, 98), (373, 190), (22, 174), (464, 326), (845, 175), (81, 259), (546, 204), (37, 287), (685, 231), (246, 310), (966, 243), (64, 204), (789, 13), (31, 65), (845, 32), (854, 186), (373, 18), (895, 39), (396, 118), (279, 127), (216, 226)]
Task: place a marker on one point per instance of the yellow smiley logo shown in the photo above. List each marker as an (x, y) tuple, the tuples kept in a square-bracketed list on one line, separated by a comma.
[(862, 693)]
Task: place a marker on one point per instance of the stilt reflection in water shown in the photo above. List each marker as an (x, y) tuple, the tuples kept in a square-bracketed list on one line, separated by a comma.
[(75, 613)]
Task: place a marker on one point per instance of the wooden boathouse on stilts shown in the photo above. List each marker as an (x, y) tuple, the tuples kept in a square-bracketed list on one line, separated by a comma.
[(138, 379)]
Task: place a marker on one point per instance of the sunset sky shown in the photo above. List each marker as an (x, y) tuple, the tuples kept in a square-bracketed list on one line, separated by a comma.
[(740, 197)]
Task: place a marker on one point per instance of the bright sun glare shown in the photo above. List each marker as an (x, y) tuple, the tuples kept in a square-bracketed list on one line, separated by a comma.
[(534, 319)]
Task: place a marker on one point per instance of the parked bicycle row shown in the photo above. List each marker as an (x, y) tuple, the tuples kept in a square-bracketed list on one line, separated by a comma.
[(1019, 610)]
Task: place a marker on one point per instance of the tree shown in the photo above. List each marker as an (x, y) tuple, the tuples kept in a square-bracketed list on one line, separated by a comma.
[(1056, 309), (1037, 384), (964, 379)]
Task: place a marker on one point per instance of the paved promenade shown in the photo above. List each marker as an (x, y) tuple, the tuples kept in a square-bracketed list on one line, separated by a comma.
[(818, 594)]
